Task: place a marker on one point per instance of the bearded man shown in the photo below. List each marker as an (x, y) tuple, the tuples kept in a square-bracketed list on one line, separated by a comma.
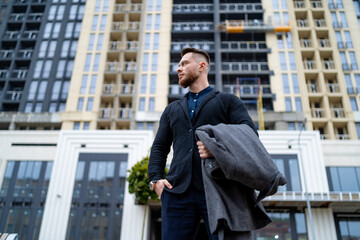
[(182, 191)]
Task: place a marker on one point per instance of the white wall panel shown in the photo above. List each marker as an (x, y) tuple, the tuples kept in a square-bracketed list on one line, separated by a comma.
[(324, 224)]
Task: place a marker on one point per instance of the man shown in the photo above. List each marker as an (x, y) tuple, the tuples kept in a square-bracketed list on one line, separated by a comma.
[(182, 191)]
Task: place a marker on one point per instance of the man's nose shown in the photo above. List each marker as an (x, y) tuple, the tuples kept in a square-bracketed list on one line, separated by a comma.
[(179, 69)]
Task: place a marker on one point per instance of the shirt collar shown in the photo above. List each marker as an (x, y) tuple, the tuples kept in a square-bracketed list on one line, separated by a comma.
[(202, 92)]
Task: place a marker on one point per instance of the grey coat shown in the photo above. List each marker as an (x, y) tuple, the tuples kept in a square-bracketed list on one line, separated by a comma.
[(240, 165)]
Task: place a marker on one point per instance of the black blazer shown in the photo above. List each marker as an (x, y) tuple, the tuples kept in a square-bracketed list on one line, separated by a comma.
[(176, 128)]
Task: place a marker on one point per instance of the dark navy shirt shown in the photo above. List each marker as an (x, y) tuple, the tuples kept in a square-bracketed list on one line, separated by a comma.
[(195, 99)]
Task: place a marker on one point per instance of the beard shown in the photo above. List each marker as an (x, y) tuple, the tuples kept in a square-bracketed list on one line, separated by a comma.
[(186, 81)]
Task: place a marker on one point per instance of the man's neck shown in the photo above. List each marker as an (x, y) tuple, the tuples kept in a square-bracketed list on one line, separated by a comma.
[(198, 86)]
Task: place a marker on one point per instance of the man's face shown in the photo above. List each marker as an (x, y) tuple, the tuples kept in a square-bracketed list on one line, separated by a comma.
[(188, 70)]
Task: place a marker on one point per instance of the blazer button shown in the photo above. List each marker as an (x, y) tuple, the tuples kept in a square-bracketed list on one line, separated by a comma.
[(190, 130), (190, 150)]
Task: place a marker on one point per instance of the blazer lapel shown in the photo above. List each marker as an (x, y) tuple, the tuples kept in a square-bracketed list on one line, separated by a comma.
[(211, 95), (184, 105)]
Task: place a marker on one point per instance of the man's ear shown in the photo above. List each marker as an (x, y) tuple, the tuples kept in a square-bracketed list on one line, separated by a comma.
[(203, 65)]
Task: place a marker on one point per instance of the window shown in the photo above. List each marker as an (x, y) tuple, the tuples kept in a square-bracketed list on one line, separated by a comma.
[(348, 82), (145, 62), (56, 30), (140, 126), (56, 90), (147, 41), (32, 90), (80, 14), (277, 19), (283, 4), (80, 104), (275, 4), (47, 68), (65, 48), (94, 22), (298, 104), (289, 40), (295, 83), (91, 42), (148, 21), (151, 104), (357, 81), (74, 45), (339, 40), (354, 65), (52, 107), (142, 104), (96, 62), (69, 29), (153, 84), (154, 62), (42, 90), (28, 107), (76, 125), (285, 18), (43, 47), (69, 69), (143, 84), (93, 84), (280, 41), (83, 84), (60, 69), (286, 83), (47, 30), (60, 12), (90, 104), (292, 61), (347, 226), (348, 41), (150, 126), (77, 30), (288, 106), (158, 5), (65, 90), (100, 41), (289, 167), (291, 126), (38, 67), (52, 12), (73, 10), (282, 61), (97, 6), (157, 21), (38, 108), (87, 62), (86, 126), (343, 19), (150, 5), (357, 126), (345, 65), (103, 22), (343, 179), (353, 104), (156, 41), (106, 6), (334, 19)]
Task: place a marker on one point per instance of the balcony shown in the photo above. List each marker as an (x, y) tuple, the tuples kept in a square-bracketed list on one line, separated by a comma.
[(13, 95), (324, 43), (17, 17), (302, 23), (30, 34), (337, 113), (309, 65), (342, 136), (316, 4), (313, 88), (243, 45), (319, 23), (237, 7), (106, 113), (328, 64), (25, 53), (318, 112), (121, 26), (19, 73), (127, 8), (118, 45), (306, 43), (6, 54), (109, 89), (174, 66), (192, 8), (127, 89), (248, 90), (299, 5), (206, 46), (192, 26), (36, 17), (4, 74), (11, 35), (112, 89), (324, 136), (125, 113), (245, 66), (115, 66), (333, 88)]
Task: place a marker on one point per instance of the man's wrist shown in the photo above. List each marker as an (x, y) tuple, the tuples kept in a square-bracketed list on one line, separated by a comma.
[(152, 184)]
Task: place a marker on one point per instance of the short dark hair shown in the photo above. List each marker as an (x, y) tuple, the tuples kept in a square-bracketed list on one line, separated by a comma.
[(195, 50)]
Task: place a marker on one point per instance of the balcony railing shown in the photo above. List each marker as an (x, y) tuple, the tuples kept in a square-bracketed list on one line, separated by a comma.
[(309, 64), (306, 43), (174, 67), (13, 95), (30, 34), (324, 136), (316, 4), (123, 26), (7, 53), (245, 66), (333, 87), (328, 64), (320, 23), (115, 66), (302, 23), (109, 89), (175, 89), (17, 17), (324, 43), (125, 113), (4, 73), (127, 89), (19, 73), (206, 46), (337, 112), (25, 53), (312, 88), (247, 45), (118, 45), (125, 7), (106, 113), (12, 35), (247, 89), (236, 7), (318, 112), (185, 8), (35, 17), (299, 4), (193, 26), (343, 136)]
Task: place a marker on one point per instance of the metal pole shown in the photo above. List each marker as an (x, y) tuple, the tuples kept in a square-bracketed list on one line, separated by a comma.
[(305, 184)]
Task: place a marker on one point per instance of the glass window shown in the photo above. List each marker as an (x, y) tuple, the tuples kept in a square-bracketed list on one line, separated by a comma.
[(292, 61), (357, 81), (73, 10), (76, 125), (357, 125), (156, 41), (56, 90), (38, 108), (80, 14), (73, 49), (277, 19), (140, 126), (289, 40), (298, 104), (56, 30), (142, 104), (47, 69), (90, 103), (52, 107), (288, 106), (94, 22), (93, 84), (291, 126), (158, 5), (65, 48), (343, 179), (52, 12), (61, 107), (60, 69), (295, 83), (151, 104), (69, 29), (275, 4), (148, 21), (91, 41), (47, 30), (143, 84), (145, 62), (106, 6), (103, 22), (339, 40), (41, 90), (60, 12), (28, 107), (279, 228), (348, 41), (87, 62), (280, 41), (150, 126), (96, 62), (353, 104), (80, 104), (86, 126), (97, 6), (100, 41), (283, 4), (157, 21), (285, 18), (43, 47), (289, 167), (343, 59), (153, 84), (150, 5), (38, 68), (32, 90), (83, 84), (282, 61), (65, 90), (343, 19), (69, 69), (147, 41), (77, 30), (348, 82), (334, 19), (286, 83), (154, 62), (354, 65), (357, 8)]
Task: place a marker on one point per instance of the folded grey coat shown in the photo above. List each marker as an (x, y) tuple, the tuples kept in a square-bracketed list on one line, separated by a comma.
[(240, 166)]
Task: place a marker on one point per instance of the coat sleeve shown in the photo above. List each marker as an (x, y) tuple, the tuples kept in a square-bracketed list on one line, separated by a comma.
[(160, 148)]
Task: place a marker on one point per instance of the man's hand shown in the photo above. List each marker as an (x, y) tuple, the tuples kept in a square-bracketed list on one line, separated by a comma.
[(203, 151), (159, 186)]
